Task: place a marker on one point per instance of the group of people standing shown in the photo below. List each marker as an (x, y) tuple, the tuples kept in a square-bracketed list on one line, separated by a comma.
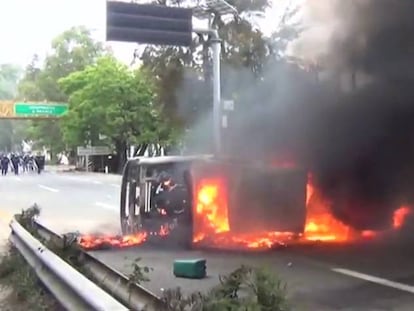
[(27, 162)]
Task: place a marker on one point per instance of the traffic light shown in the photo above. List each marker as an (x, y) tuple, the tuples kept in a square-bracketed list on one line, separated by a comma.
[(152, 24)]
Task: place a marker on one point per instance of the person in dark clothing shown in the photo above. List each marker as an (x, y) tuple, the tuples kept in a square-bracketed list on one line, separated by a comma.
[(25, 163), (4, 165), (15, 162), (40, 163)]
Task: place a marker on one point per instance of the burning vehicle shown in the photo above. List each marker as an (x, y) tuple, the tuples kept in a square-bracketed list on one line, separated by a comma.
[(194, 199), (226, 203), (229, 203)]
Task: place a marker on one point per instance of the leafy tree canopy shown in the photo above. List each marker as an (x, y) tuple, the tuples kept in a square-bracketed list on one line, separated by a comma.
[(72, 51), (9, 76), (111, 100), (183, 75)]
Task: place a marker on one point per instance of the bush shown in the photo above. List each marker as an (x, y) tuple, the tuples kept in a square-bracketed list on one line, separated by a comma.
[(245, 289)]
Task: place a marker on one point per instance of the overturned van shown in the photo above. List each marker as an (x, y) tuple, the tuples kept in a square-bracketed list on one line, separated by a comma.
[(190, 198)]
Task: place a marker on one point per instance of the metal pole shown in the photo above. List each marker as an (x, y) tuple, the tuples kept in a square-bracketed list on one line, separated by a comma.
[(216, 46), (86, 163)]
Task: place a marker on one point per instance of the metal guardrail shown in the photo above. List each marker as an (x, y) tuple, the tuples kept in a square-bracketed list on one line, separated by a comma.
[(73, 290), (132, 295)]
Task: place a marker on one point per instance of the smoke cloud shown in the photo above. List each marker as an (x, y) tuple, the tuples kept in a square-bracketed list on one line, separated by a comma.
[(357, 138), (361, 148)]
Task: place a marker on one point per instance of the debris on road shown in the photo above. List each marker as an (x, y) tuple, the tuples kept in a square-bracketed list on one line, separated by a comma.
[(190, 268)]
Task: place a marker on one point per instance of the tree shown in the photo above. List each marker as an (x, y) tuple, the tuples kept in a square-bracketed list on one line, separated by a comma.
[(29, 87), (109, 99), (9, 75), (176, 67), (72, 51)]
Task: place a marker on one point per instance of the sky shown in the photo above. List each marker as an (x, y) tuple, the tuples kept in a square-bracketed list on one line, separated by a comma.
[(28, 26)]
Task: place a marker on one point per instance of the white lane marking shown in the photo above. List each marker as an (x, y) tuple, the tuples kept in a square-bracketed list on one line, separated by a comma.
[(115, 185), (78, 179), (377, 280), (96, 182), (106, 206), (48, 188)]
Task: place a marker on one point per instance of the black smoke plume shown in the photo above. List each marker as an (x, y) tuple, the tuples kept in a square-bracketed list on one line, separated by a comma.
[(358, 144)]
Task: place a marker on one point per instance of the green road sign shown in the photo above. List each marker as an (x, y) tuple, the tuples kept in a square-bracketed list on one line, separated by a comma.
[(42, 110)]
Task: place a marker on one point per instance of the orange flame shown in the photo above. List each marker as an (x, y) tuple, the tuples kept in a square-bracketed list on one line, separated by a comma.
[(211, 209), (321, 225), (211, 221), (400, 216), (93, 242)]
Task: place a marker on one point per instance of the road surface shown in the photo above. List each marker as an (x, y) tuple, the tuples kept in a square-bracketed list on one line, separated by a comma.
[(68, 201), (359, 278)]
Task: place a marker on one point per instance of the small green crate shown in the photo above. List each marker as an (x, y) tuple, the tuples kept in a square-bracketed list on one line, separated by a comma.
[(190, 268)]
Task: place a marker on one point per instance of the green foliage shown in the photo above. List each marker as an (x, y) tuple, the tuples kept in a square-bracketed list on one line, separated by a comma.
[(27, 216), (110, 99), (183, 75), (9, 75), (29, 85), (245, 289), (139, 273), (73, 50), (67, 249)]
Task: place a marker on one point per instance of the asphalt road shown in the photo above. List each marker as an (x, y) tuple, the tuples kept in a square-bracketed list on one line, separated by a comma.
[(375, 276), (68, 201)]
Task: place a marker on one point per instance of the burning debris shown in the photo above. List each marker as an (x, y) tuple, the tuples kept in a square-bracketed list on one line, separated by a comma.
[(120, 241), (99, 242)]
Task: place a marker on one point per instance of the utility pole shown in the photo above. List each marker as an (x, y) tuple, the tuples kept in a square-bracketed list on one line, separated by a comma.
[(154, 24), (207, 10)]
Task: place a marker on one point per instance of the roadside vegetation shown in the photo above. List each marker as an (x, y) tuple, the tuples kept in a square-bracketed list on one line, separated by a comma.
[(23, 291), (245, 289)]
